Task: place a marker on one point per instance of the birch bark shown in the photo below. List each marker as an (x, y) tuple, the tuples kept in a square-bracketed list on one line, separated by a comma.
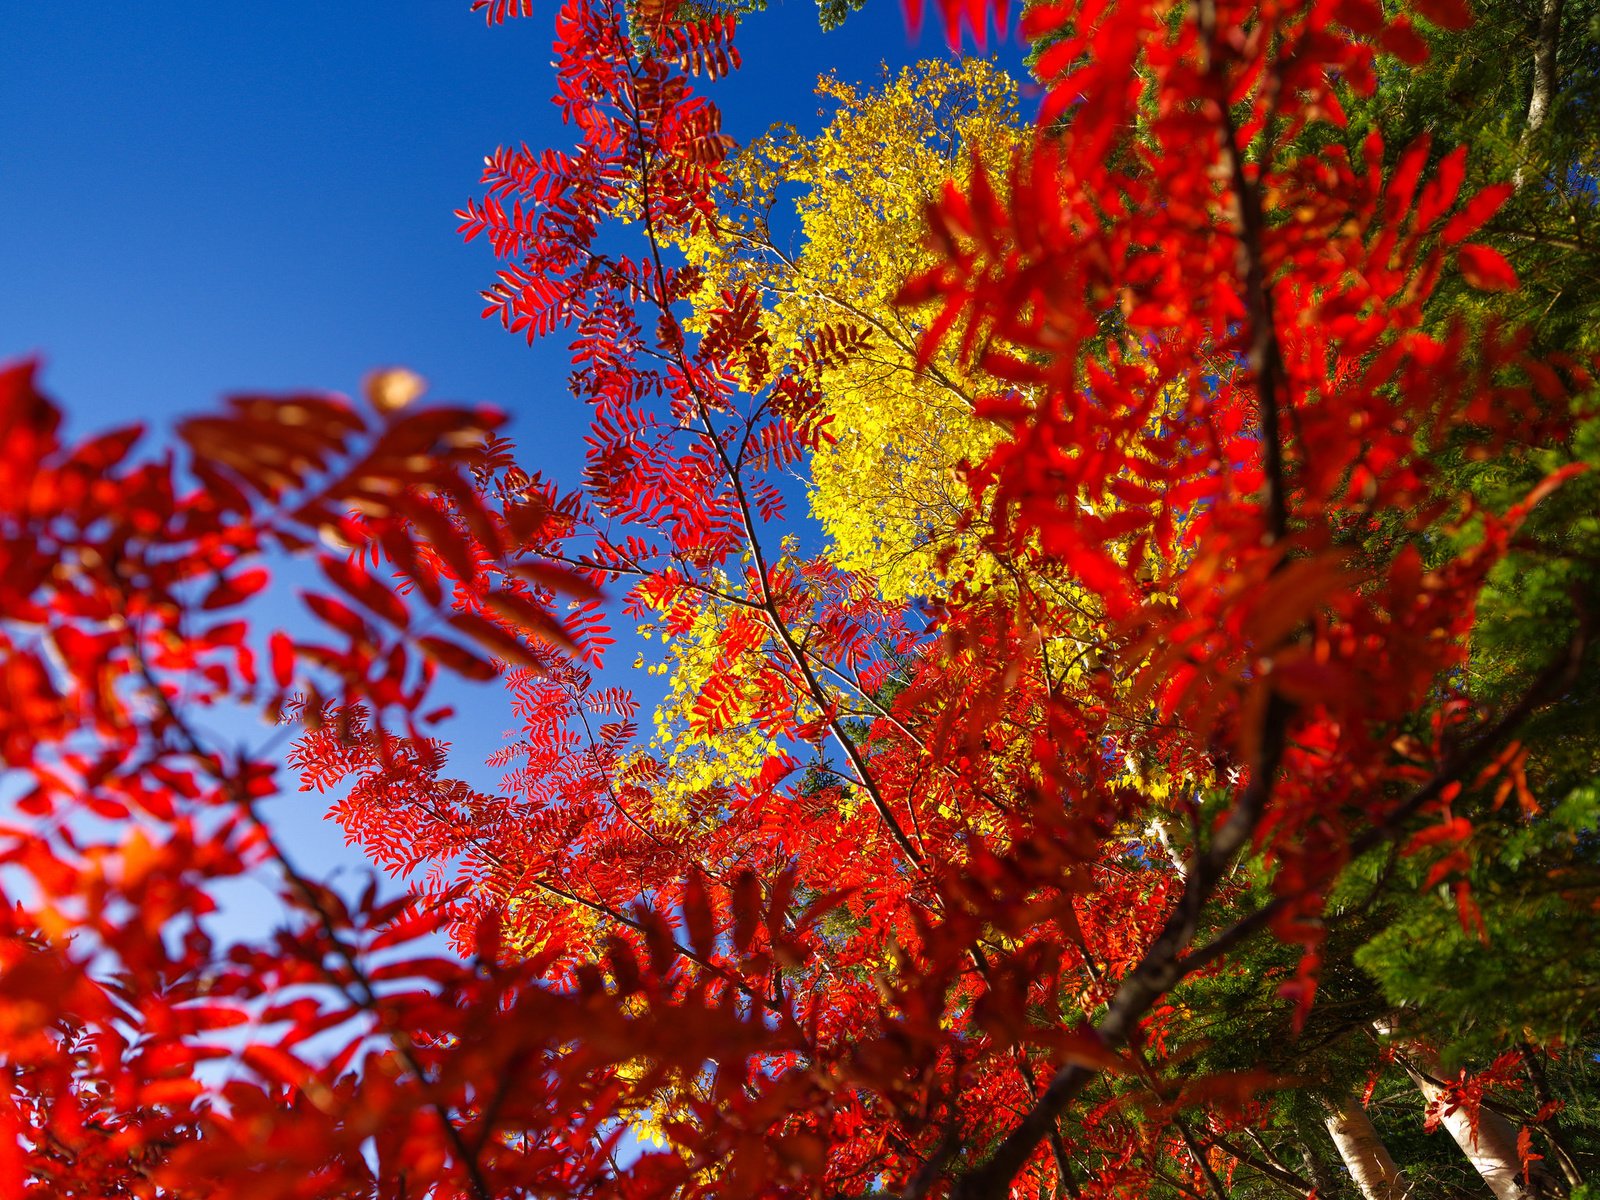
[(1364, 1154)]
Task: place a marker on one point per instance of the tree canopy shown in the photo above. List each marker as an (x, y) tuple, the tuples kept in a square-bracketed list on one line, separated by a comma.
[(1158, 760)]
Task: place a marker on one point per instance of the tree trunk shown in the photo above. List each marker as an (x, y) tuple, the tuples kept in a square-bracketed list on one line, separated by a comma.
[(1551, 1129), (1364, 1154), (1546, 43), (1492, 1151), (1163, 829), (1326, 1183)]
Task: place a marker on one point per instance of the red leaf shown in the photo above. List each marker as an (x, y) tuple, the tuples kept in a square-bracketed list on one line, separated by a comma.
[(236, 589), (1471, 215), (337, 614), (746, 905), (494, 639), (1486, 269), (1453, 15), (366, 590), (698, 918), (529, 616), (1364, 17), (456, 658), (282, 660), (1404, 42)]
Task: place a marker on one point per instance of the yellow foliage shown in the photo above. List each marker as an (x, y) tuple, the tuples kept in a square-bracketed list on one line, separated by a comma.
[(700, 757), (705, 751), (825, 229), (887, 489)]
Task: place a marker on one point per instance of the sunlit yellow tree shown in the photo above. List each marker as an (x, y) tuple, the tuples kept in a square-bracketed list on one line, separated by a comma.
[(820, 227), (887, 489)]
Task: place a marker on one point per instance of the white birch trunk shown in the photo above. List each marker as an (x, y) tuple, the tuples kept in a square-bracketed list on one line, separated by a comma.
[(1545, 48), (1492, 1151), (1161, 828), (1364, 1154)]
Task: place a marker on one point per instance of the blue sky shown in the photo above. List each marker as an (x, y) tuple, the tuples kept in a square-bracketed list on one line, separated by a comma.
[(198, 198)]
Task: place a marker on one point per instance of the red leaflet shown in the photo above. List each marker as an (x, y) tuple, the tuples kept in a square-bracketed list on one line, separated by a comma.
[(1447, 14), (973, 14), (236, 589), (1475, 212), (525, 615), (1400, 39), (356, 583), (1486, 269), (456, 658)]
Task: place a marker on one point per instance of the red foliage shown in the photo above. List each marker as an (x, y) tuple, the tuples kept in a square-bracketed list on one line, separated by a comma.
[(895, 975)]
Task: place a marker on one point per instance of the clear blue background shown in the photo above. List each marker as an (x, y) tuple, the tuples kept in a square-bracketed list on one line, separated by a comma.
[(198, 198)]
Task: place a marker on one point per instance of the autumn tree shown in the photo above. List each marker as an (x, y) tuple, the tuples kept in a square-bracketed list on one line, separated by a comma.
[(1491, 85), (885, 484), (829, 213), (860, 937)]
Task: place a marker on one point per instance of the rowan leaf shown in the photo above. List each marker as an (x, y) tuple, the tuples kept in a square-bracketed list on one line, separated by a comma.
[(1486, 269)]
